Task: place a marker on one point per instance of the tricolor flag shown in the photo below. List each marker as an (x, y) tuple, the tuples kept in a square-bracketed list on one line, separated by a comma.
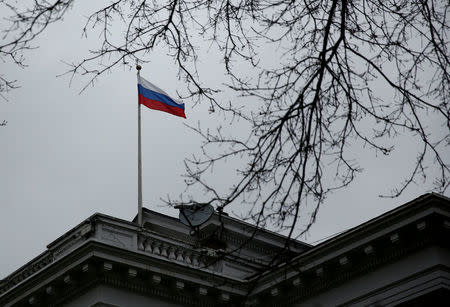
[(155, 98)]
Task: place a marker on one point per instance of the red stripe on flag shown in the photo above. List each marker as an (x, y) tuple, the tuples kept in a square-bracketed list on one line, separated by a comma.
[(160, 106)]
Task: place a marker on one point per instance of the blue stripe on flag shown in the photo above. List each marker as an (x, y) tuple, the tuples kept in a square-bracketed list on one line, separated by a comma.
[(158, 97)]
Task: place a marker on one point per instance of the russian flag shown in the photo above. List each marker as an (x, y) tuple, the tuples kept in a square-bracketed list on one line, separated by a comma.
[(155, 98)]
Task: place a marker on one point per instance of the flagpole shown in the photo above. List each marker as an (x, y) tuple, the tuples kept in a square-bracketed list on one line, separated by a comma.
[(138, 68)]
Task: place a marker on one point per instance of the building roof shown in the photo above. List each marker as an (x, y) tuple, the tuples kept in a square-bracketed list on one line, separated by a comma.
[(228, 257)]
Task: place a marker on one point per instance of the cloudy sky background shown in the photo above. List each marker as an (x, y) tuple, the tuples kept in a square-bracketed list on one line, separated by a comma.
[(65, 155)]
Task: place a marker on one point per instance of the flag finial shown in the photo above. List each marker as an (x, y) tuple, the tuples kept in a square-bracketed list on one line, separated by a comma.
[(138, 67)]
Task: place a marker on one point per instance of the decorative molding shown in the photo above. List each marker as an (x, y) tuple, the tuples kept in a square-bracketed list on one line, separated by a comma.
[(156, 279), (116, 237), (85, 268), (297, 282), (186, 299), (316, 283), (368, 250), (77, 237), (394, 238), (225, 297), (26, 271), (32, 300), (64, 249), (274, 291), (67, 279), (421, 225), (50, 290), (107, 266), (171, 251), (132, 272), (343, 260), (179, 284)]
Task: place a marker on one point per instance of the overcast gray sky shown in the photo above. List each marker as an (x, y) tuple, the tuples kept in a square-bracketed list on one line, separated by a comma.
[(65, 156)]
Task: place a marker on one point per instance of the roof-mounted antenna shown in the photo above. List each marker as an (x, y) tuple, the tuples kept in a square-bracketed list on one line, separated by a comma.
[(195, 215)]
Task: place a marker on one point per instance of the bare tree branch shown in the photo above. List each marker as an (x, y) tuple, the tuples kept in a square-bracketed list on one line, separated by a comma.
[(314, 101)]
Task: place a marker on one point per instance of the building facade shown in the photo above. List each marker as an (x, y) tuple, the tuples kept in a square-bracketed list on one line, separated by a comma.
[(401, 258)]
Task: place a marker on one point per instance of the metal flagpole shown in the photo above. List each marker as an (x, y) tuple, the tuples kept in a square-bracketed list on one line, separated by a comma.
[(138, 68)]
